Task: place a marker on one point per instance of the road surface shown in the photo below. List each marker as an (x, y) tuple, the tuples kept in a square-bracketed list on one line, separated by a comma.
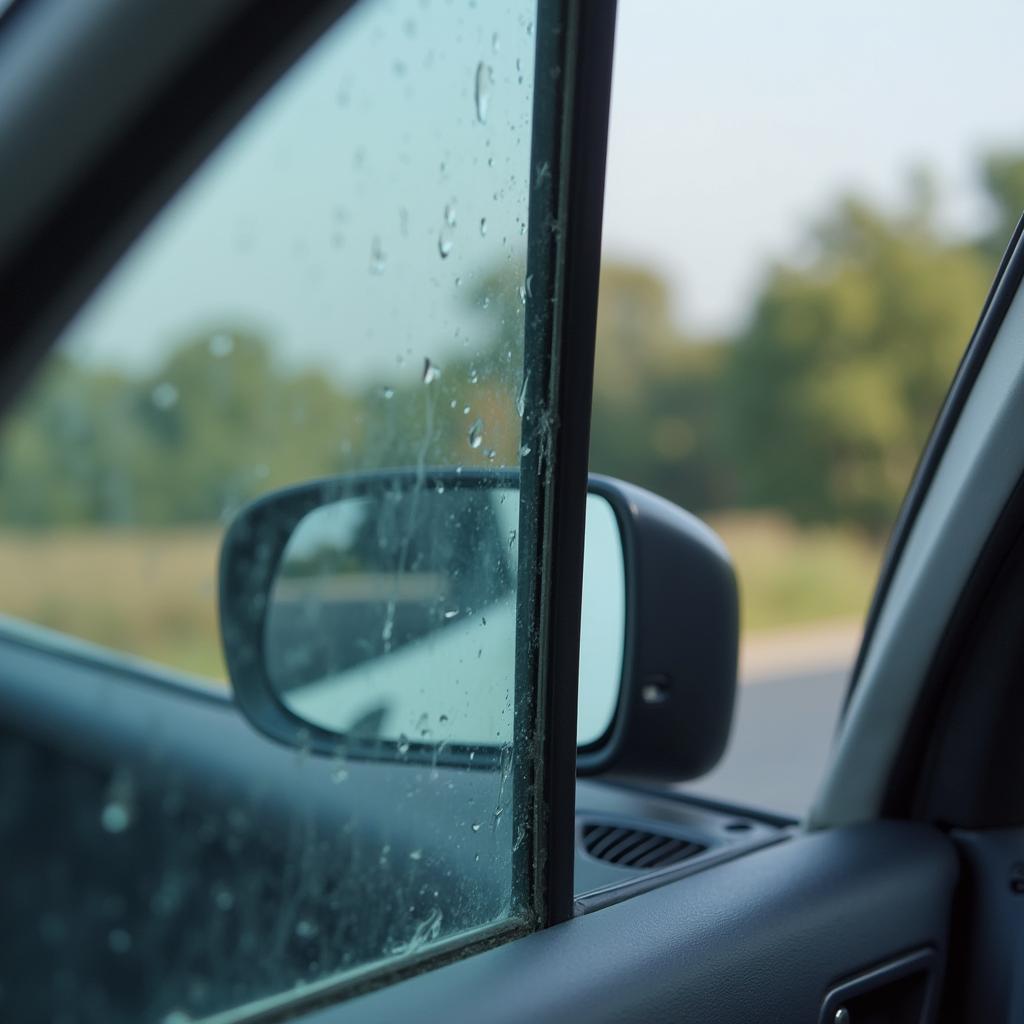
[(782, 732)]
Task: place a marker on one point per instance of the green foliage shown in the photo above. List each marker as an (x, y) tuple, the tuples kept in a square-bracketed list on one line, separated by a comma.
[(1003, 177), (838, 378), (818, 409)]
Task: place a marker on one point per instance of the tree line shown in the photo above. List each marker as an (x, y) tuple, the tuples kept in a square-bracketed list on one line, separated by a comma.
[(817, 407)]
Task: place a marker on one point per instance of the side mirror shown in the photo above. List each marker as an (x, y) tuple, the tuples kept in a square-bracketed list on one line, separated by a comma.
[(681, 641), (376, 615)]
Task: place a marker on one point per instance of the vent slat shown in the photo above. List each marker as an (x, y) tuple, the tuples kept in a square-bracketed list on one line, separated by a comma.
[(635, 848), (622, 851), (600, 846)]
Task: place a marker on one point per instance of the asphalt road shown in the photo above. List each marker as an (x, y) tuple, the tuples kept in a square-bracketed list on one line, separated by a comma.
[(782, 733)]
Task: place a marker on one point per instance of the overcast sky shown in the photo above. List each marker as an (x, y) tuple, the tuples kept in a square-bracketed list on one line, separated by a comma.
[(736, 122)]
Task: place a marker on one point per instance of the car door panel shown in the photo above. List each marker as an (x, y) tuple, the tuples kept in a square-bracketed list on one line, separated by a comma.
[(763, 938)]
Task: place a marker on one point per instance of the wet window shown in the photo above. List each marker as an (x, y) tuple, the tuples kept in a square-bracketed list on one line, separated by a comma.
[(337, 294)]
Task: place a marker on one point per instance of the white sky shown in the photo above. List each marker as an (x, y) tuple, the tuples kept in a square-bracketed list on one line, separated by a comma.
[(736, 122)]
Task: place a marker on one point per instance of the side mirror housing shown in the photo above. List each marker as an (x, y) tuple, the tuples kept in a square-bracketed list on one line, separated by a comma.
[(343, 601), (678, 685)]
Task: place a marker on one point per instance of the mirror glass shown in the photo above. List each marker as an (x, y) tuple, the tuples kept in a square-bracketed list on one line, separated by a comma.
[(400, 598)]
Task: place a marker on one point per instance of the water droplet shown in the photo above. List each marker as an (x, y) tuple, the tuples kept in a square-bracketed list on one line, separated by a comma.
[(491, 454), (529, 286), (483, 226), (119, 940), (165, 395), (465, 410), (444, 245), (525, 449), (416, 855), (115, 817), (449, 215), (522, 294), (386, 393), (439, 489), (221, 345), (452, 404), (430, 371), (378, 258), (475, 826), (495, 42), (511, 539), (403, 744), (223, 897), (474, 375), (339, 773), (306, 929), (482, 91), (443, 719), (476, 433), (521, 397), (451, 613)]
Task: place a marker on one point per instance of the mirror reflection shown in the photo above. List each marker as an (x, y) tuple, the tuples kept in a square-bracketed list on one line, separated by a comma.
[(385, 599)]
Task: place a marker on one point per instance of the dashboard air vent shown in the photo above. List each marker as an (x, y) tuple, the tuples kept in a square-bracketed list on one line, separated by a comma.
[(634, 848)]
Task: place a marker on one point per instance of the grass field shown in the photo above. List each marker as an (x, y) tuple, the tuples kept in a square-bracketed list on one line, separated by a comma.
[(152, 593)]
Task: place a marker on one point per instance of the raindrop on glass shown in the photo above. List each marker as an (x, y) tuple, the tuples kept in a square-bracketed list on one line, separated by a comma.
[(482, 91), (221, 345), (306, 929), (475, 826), (476, 433), (451, 613), (521, 397), (483, 226), (387, 393), (431, 371), (115, 817), (403, 744), (223, 897), (525, 449), (165, 395), (444, 246), (449, 215), (378, 258), (416, 855)]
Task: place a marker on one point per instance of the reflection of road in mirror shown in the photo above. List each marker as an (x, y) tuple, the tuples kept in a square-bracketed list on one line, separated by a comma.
[(399, 602)]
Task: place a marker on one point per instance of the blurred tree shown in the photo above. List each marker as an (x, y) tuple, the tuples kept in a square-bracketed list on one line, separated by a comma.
[(1003, 178), (838, 378), (658, 400)]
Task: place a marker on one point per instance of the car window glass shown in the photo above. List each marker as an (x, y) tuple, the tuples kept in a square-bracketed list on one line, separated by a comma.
[(340, 288)]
